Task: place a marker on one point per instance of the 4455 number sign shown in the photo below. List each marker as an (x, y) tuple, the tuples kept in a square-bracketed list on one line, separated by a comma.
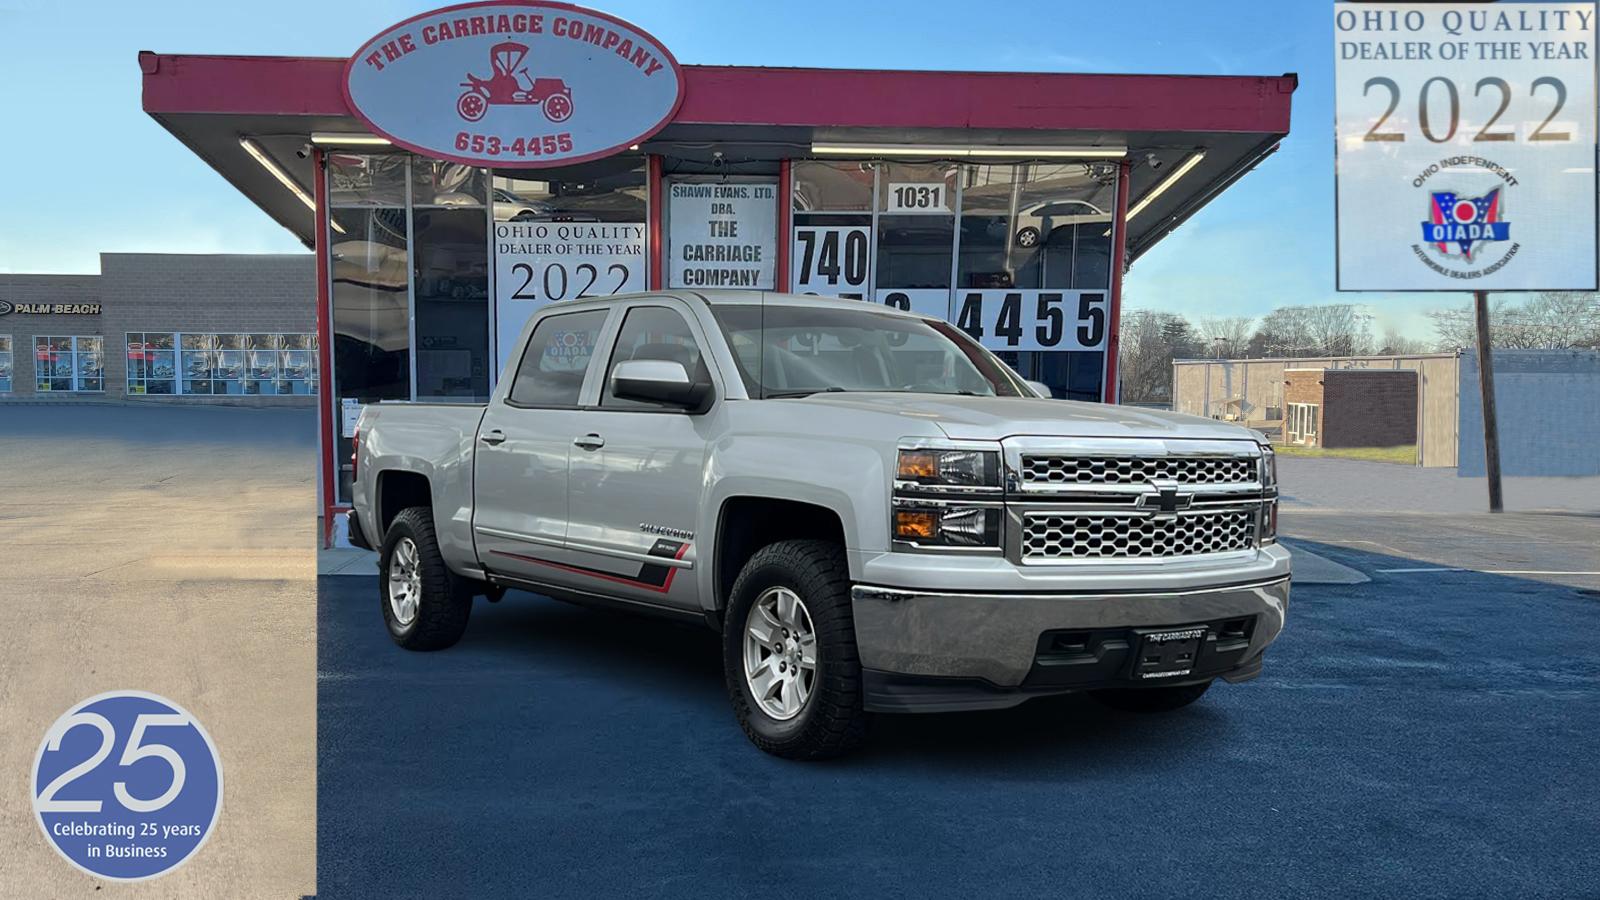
[(1033, 319)]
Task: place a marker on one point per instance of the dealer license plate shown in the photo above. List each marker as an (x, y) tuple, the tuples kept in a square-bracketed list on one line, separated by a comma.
[(1168, 654)]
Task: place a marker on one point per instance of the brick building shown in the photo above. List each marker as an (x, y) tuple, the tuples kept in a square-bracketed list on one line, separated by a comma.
[(179, 328), (1350, 407)]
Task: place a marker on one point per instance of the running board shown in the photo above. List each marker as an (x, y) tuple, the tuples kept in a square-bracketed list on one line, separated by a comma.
[(599, 601)]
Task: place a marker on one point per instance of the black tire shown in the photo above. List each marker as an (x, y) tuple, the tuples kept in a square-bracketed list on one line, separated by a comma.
[(832, 721), (1151, 700), (1028, 237), (446, 599)]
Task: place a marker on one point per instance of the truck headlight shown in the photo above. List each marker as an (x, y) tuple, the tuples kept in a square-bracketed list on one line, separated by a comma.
[(951, 525), (951, 468), (1269, 467)]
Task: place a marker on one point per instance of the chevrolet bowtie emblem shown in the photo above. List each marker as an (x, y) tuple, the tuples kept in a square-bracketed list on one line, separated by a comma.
[(1165, 499)]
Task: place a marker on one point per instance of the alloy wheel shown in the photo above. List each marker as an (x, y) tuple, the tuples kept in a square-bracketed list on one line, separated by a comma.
[(780, 653)]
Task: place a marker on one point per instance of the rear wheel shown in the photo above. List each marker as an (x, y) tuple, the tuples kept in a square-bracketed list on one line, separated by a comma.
[(1151, 700), (425, 605), (789, 652)]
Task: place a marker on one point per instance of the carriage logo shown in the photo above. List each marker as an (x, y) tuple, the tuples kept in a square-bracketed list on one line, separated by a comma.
[(510, 84), (1464, 223), (6, 307)]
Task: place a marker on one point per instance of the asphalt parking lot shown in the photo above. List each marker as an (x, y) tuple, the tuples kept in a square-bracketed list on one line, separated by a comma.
[(1427, 733)]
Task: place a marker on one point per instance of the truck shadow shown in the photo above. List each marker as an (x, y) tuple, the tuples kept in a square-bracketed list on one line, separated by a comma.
[(680, 665)]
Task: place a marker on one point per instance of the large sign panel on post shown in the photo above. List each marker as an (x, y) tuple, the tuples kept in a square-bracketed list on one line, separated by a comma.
[(520, 83), (1465, 146)]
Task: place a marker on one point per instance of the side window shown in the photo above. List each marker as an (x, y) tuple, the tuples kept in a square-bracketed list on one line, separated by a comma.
[(558, 354), (653, 332)]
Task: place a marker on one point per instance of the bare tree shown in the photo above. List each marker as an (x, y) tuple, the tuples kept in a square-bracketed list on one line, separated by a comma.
[(1337, 329), (1396, 344), (1552, 320), (1227, 336), (1150, 341)]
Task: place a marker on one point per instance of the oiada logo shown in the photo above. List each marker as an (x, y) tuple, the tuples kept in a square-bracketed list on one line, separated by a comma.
[(1461, 230), (517, 83)]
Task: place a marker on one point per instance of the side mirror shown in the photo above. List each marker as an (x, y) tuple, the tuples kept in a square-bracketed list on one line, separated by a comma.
[(659, 381), (1040, 388)]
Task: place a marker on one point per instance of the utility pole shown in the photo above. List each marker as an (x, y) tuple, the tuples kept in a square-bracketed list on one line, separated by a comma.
[(1491, 427)]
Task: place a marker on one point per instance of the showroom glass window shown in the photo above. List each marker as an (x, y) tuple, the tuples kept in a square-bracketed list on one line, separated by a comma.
[(916, 234), (831, 249), (1038, 226), (450, 280), (227, 364), (369, 269), (609, 190), (5, 364), (65, 364), (152, 362)]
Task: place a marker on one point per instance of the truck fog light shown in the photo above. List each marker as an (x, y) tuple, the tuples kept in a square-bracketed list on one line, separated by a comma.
[(1269, 523), (948, 526), (915, 525)]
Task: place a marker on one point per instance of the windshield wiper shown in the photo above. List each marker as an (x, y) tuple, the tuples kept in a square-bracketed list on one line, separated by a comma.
[(791, 394)]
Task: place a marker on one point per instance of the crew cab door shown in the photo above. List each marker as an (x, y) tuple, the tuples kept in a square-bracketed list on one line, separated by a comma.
[(634, 492), (520, 472)]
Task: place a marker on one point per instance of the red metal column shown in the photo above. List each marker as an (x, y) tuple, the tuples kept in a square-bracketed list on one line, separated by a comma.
[(1119, 256), (658, 250), (785, 208), (327, 462)]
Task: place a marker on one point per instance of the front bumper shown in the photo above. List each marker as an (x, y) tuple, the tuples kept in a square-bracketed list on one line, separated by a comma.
[(932, 650)]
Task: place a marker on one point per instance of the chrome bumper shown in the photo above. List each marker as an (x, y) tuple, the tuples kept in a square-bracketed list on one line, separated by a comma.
[(994, 637)]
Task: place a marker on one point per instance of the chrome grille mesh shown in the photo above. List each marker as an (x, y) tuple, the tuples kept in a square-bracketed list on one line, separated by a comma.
[(1068, 470), (1091, 536)]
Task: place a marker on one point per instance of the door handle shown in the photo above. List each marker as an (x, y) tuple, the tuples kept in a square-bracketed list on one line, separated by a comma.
[(493, 438), (589, 442)]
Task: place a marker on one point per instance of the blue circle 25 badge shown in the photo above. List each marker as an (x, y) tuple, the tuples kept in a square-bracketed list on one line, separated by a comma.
[(127, 785)]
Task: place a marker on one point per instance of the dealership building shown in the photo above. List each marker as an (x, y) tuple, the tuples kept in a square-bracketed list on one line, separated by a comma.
[(164, 328), (469, 165)]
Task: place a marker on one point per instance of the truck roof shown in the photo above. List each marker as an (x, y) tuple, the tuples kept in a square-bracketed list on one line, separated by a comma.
[(727, 297)]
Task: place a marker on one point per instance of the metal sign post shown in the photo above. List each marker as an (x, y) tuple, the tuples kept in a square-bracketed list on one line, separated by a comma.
[(1491, 428)]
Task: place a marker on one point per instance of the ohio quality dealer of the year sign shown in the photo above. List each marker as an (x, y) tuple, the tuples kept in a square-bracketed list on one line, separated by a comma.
[(514, 84), (1465, 153)]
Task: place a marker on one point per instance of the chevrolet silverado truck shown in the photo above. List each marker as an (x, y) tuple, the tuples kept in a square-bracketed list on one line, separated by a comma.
[(876, 513)]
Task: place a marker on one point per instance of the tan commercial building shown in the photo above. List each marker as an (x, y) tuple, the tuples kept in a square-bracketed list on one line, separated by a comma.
[(179, 328), (1251, 391)]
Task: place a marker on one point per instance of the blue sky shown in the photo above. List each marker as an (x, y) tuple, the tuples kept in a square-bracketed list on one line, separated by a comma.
[(87, 170)]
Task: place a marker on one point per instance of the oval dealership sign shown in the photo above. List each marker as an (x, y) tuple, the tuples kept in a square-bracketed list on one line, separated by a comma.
[(514, 84)]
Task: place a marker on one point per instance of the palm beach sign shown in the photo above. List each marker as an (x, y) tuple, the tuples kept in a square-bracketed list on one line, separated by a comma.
[(514, 84)]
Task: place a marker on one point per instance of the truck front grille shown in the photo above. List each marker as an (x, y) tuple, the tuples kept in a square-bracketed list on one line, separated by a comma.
[(1068, 535), (1046, 469)]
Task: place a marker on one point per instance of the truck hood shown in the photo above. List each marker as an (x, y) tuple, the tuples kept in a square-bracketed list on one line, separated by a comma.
[(995, 418)]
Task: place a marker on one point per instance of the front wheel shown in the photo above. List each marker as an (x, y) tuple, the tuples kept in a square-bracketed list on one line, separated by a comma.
[(425, 605), (789, 652), (1151, 700)]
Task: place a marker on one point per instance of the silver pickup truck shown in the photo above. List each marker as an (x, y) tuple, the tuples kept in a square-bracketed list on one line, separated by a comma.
[(876, 513)]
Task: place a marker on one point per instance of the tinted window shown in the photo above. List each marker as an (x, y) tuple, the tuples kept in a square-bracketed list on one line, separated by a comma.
[(655, 332), (558, 354)]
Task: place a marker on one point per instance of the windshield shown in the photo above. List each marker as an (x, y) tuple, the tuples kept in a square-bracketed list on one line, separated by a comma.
[(791, 351)]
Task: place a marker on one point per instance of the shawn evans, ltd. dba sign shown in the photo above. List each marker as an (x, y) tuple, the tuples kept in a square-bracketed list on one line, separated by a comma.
[(1465, 155)]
